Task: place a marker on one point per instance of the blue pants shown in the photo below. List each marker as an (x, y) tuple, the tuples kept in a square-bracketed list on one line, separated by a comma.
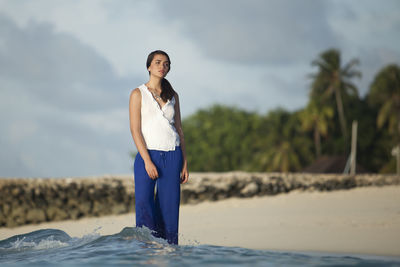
[(159, 211)]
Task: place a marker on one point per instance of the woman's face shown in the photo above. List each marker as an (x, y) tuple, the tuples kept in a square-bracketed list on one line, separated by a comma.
[(159, 66)]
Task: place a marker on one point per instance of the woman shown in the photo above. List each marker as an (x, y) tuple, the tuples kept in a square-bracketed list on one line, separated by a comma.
[(156, 128)]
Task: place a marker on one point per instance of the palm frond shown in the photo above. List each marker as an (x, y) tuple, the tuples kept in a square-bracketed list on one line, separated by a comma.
[(350, 88), (352, 74), (347, 68), (323, 66), (384, 113)]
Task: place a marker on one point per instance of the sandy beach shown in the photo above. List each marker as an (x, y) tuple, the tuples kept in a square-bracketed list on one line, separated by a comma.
[(362, 220)]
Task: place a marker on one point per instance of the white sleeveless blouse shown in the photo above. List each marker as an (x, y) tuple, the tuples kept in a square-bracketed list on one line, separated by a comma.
[(157, 123)]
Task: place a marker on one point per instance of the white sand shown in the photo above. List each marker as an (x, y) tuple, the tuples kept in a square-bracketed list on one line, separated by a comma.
[(362, 220)]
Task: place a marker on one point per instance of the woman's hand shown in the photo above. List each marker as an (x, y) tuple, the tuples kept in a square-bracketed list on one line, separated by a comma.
[(184, 174), (151, 170)]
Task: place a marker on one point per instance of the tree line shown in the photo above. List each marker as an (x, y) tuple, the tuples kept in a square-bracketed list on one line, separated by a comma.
[(224, 138)]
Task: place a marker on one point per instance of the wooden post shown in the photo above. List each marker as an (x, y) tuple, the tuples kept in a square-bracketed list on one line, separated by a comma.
[(353, 147)]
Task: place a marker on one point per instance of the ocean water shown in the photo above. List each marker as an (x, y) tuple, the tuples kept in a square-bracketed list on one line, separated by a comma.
[(137, 247)]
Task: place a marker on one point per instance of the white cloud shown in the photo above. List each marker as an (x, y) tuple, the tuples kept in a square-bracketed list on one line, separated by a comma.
[(19, 130), (254, 32), (50, 85), (123, 32), (108, 123)]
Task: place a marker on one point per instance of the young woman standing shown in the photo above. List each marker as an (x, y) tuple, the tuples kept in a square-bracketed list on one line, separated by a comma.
[(160, 163)]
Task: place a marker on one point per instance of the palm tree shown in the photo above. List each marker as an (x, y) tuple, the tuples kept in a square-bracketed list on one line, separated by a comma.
[(385, 94), (316, 118), (285, 158), (331, 79), (283, 147), (279, 157)]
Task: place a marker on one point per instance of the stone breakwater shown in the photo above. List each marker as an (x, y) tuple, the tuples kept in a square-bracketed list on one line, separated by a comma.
[(35, 200), (216, 186)]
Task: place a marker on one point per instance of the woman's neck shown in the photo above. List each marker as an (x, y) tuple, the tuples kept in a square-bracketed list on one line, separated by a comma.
[(154, 83)]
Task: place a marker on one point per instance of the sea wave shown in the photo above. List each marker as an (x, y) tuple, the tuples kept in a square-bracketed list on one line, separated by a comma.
[(137, 246)]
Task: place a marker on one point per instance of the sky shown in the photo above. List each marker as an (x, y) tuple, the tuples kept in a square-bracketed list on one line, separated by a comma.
[(67, 67)]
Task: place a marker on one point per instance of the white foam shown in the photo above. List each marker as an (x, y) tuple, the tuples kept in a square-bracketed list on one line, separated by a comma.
[(144, 234), (91, 236), (187, 242), (43, 244)]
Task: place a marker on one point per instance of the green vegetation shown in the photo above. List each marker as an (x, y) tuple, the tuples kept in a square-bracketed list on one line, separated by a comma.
[(331, 79), (222, 138), (385, 96)]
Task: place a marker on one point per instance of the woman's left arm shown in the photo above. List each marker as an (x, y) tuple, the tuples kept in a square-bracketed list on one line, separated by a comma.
[(178, 126)]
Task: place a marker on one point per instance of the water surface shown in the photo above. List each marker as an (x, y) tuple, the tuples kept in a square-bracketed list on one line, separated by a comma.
[(137, 247)]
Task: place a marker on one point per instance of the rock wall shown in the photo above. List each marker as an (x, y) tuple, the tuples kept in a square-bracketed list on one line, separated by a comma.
[(216, 186), (35, 200)]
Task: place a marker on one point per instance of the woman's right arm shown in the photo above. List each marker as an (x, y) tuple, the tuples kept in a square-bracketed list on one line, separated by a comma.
[(135, 102)]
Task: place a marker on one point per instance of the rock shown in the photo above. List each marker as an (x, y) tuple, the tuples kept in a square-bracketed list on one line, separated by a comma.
[(74, 213), (6, 209), (119, 209), (17, 216), (35, 216), (99, 208), (16, 191), (56, 214), (85, 208), (3, 220), (249, 190)]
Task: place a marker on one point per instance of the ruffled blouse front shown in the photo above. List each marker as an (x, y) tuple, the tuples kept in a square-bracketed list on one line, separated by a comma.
[(157, 123)]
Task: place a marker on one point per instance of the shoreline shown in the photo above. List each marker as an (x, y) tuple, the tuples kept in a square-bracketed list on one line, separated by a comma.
[(362, 220)]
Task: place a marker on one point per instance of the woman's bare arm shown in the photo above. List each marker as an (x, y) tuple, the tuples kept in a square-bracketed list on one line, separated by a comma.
[(178, 126), (135, 102)]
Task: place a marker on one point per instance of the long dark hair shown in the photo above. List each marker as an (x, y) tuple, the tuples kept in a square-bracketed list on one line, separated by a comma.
[(167, 90)]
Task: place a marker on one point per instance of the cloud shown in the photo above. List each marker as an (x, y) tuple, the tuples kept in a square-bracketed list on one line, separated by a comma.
[(63, 109), (256, 31), (55, 68), (291, 33)]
